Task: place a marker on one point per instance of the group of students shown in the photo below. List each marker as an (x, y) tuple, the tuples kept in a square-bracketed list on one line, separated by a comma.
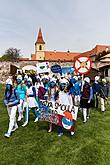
[(24, 94)]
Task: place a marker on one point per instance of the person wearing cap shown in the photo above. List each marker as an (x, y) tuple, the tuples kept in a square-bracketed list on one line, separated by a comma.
[(11, 100), (52, 96), (64, 97), (31, 101), (21, 88), (77, 91), (96, 86), (45, 81), (103, 93), (85, 97)]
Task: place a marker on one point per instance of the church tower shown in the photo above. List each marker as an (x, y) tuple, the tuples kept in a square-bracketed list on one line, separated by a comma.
[(40, 47)]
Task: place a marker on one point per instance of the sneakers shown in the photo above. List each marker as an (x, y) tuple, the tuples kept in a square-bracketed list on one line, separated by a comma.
[(25, 123), (72, 133), (36, 119), (7, 135), (60, 134), (50, 130), (84, 121), (14, 129), (20, 117)]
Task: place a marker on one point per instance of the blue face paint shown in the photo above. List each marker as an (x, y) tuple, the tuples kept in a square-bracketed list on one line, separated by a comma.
[(52, 84), (19, 81), (8, 86), (28, 83), (63, 85)]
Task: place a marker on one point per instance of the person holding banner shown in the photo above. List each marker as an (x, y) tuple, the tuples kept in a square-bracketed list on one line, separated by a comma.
[(65, 97), (51, 96), (85, 98)]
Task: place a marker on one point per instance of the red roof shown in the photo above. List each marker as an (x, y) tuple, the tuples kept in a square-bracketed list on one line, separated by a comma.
[(62, 56), (40, 38), (95, 51), (23, 59)]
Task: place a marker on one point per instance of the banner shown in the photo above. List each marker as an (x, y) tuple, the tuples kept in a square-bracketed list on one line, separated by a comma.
[(58, 114), (43, 67), (56, 69)]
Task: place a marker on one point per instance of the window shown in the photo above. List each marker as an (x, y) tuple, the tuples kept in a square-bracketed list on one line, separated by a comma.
[(106, 72), (40, 47)]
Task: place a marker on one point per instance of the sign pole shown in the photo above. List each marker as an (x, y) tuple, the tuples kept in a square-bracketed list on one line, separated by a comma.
[(82, 82)]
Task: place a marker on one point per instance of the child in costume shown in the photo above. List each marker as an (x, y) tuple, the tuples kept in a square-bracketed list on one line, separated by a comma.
[(51, 96), (31, 101), (21, 88), (11, 100), (65, 97)]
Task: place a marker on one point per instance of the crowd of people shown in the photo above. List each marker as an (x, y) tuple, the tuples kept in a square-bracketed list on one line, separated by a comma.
[(24, 92)]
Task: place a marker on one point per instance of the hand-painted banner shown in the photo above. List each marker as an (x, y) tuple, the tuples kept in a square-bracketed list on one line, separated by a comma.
[(43, 67), (58, 114), (56, 69)]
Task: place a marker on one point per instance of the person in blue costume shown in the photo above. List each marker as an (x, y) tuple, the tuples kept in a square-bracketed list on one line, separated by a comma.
[(11, 100), (103, 93), (21, 88), (77, 90), (89, 102), (45, 81), (52, 96), (31, 102), (65, 97), (96, 86)]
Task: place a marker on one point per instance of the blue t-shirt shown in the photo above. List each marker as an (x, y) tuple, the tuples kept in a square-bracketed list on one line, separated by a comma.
[(21, 91)]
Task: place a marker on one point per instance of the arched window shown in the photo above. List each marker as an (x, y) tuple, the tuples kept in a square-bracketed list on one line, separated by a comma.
[(40, 47)]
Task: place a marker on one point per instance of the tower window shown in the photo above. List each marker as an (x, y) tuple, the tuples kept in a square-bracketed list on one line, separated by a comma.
[(40, 47)]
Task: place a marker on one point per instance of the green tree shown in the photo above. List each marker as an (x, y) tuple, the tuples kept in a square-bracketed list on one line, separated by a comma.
[(11, 54)]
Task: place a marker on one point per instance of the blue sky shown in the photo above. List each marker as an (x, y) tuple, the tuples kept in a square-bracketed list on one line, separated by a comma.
[(77, 25)]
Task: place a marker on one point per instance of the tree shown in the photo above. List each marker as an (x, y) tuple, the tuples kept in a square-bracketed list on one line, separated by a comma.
[(11, 54)]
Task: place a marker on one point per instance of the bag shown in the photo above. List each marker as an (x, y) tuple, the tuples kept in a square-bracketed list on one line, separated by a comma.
[(41, 92)]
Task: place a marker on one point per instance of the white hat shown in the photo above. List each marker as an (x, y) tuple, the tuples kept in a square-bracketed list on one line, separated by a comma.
[(46, 77), (29, 79), (87, 79), (76, 78), (19, 77), (53, 79), (26, 77), (64, 80), (104, 80), (97, 78), (9, 81)]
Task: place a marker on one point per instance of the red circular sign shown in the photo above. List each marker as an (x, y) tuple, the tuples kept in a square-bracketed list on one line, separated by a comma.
[(83, 65)]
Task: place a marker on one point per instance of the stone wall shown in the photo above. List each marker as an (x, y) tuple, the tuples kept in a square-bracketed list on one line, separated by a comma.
[(5, 67)]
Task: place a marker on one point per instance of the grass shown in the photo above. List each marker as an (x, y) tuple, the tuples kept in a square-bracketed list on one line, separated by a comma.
[(32, 145)]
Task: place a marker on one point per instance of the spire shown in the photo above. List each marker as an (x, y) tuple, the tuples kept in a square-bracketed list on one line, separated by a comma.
[(40, 38)]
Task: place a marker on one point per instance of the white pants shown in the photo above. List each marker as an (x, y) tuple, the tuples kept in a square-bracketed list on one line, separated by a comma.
[(77, 100), (12, 116), (20, 108), (102, 104), (85, 114)]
